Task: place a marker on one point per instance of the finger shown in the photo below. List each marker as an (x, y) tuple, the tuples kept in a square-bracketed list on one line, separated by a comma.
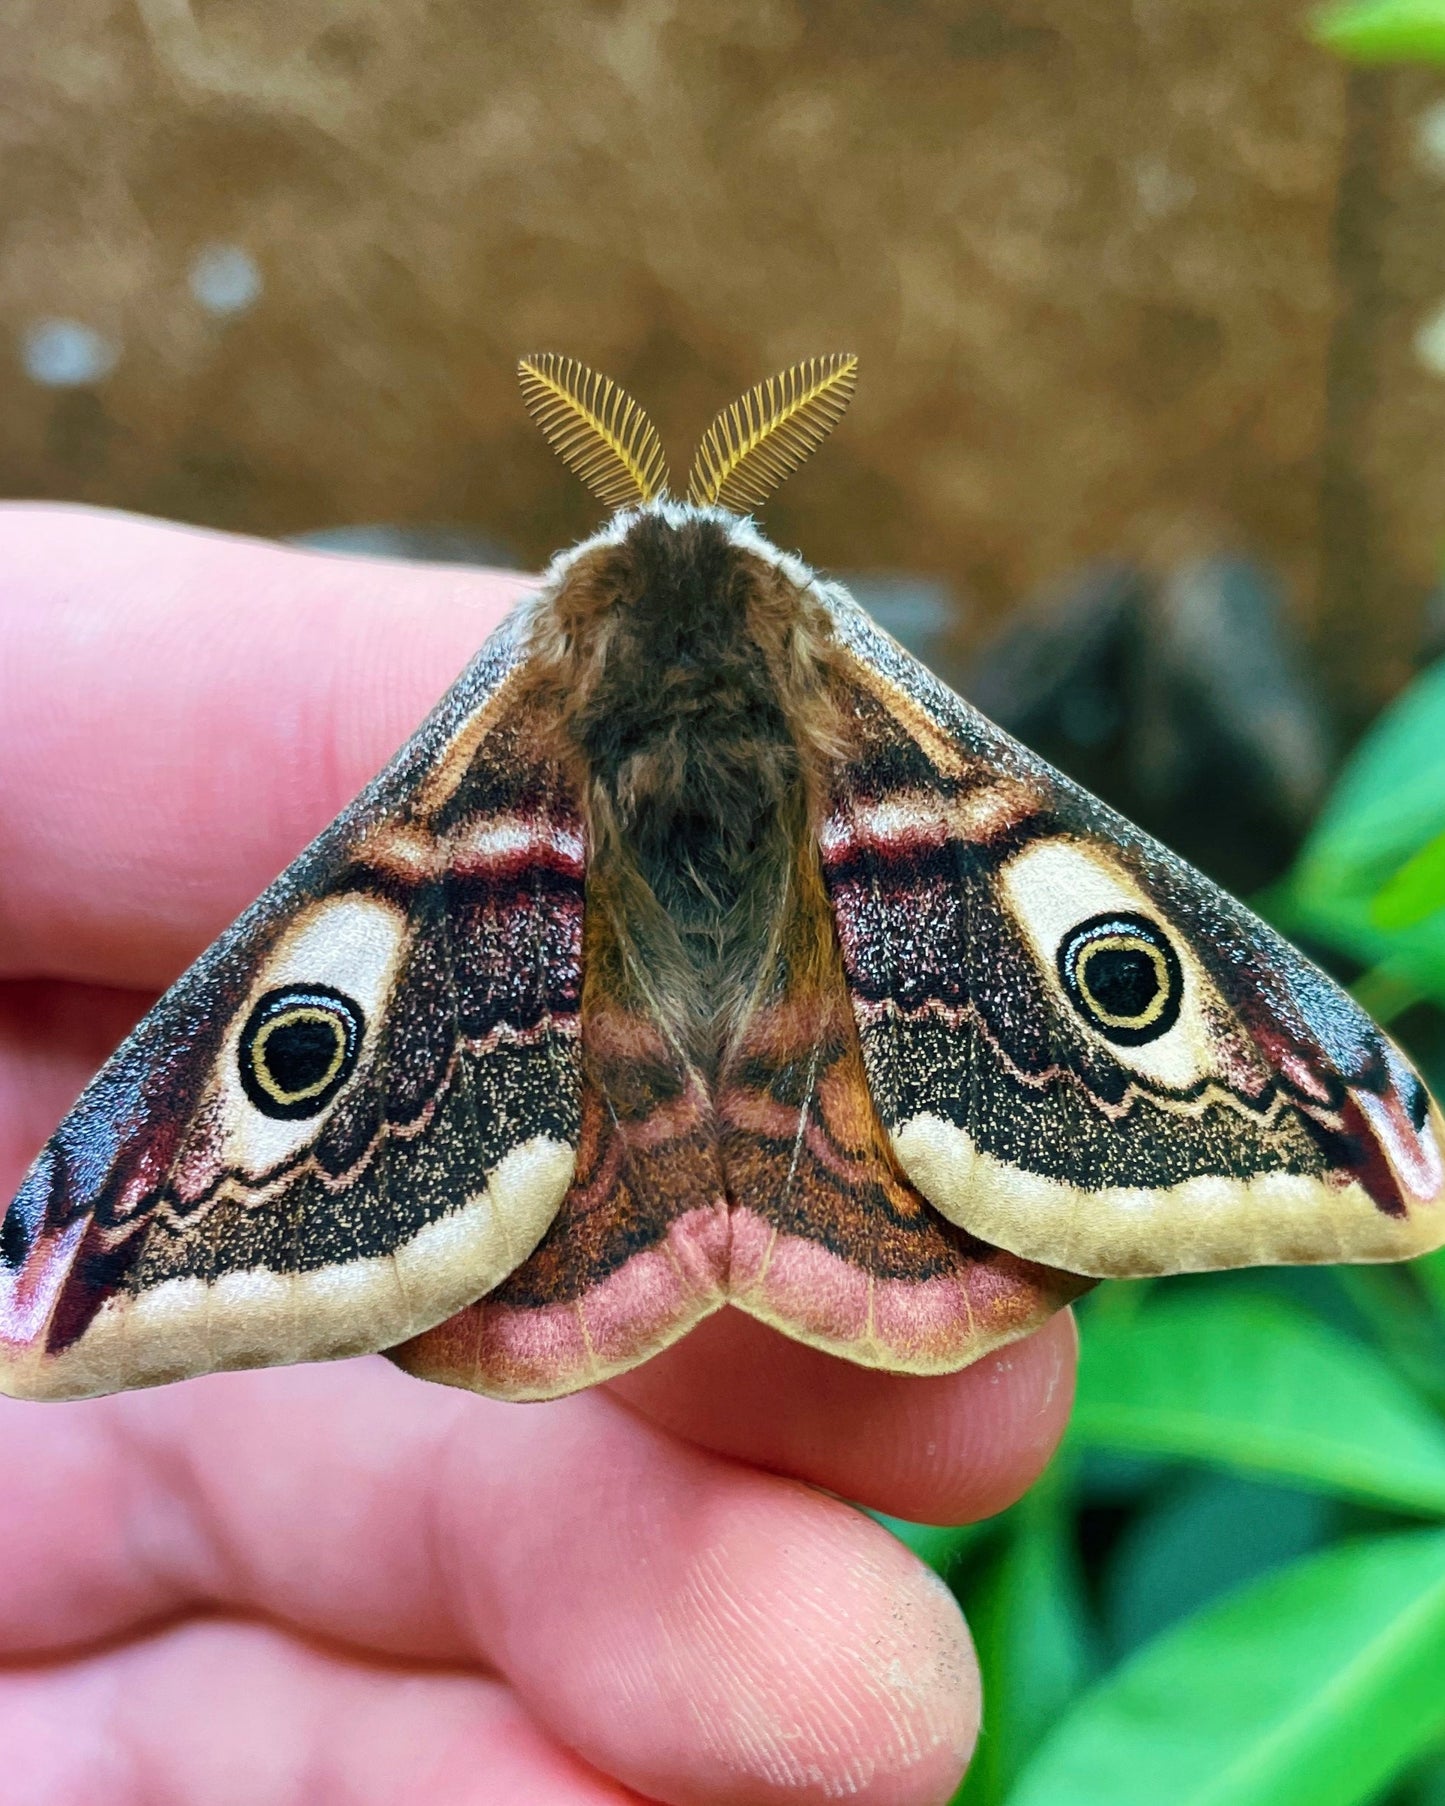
[(181, 712), (942, 1450), (220, 1714), (700, 1630), (52, 1038)]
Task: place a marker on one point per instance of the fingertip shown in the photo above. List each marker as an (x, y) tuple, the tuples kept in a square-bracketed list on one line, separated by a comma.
[(697, 1629), (880, 1651), (939, 1449), (800, 1652)]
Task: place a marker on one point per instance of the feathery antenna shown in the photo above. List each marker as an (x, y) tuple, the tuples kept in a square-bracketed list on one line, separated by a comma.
[(766, 434), (596, 429)]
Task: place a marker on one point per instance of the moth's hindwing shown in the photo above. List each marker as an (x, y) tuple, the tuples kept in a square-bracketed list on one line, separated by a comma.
[(638, 1251), (1082, 1049), (352, 1115), (830, 1242)]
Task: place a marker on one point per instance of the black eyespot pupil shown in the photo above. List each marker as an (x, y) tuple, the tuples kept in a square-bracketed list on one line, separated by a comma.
[(300, 1054), (298, 1048), (1124, 981)]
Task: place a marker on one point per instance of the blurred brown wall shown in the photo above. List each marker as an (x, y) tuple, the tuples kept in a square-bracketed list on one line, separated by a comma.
[(1122, 277)]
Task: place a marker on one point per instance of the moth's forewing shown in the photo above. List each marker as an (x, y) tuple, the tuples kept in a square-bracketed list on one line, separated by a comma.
[(1083, 1050), (352, 1114)]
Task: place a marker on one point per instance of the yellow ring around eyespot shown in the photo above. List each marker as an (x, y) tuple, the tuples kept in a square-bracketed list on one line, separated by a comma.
[(1123, 943), (301, 1013)]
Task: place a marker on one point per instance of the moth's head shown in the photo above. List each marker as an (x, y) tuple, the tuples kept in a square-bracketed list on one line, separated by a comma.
[(606, 438), (679, 598)]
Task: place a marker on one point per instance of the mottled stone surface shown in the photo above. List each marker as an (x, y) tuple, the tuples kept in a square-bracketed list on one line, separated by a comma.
[(1123, 278)]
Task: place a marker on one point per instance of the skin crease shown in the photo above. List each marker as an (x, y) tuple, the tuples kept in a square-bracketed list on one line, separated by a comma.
[(336, 1585)]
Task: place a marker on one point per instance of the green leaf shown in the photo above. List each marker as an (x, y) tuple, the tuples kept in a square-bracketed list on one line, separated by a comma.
[(1390, 798), (1428, 1787), (1429, 1269), (1256, 1386), (1416, 891), (1410, 961), (1387, 806), (1031, 1630), (1381, 31), (1199, 1537), (1314, 1687), (1387, 991)]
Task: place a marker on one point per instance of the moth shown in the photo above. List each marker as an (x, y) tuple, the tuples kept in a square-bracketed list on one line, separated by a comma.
[(701, 948)]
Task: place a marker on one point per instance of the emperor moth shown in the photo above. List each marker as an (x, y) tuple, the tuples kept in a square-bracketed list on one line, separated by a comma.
[(701, 948)]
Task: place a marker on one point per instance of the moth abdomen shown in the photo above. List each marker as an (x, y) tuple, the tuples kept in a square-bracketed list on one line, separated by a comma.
[(687, 677)]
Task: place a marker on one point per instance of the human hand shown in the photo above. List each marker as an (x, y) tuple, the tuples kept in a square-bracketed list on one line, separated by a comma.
[(336, 1585)]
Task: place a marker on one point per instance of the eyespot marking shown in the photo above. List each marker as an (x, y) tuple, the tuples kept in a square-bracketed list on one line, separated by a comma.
[(298, 1048), (1123, 977)]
